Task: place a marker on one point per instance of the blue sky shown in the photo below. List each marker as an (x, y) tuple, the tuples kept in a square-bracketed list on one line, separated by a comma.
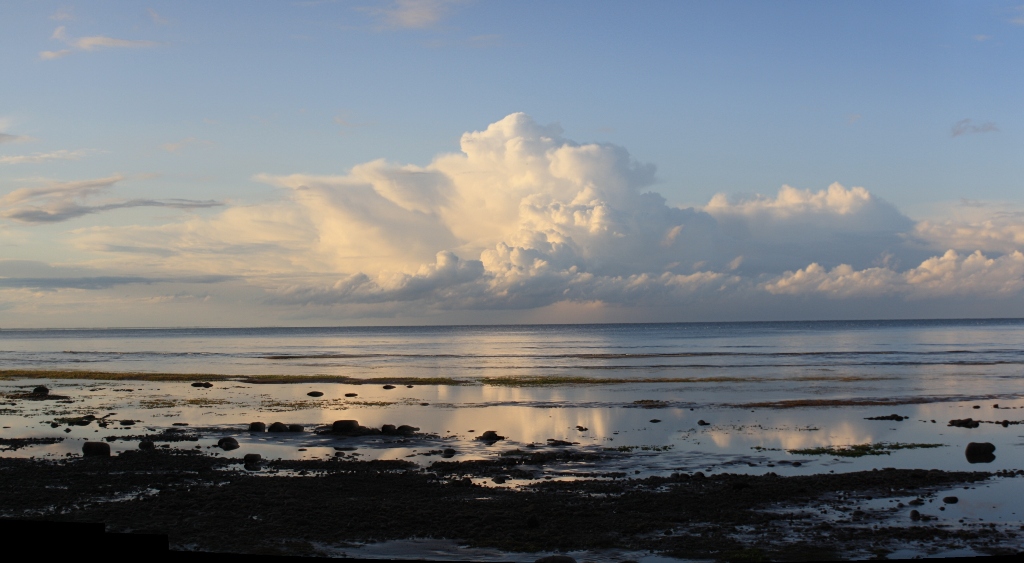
[(184, 112)]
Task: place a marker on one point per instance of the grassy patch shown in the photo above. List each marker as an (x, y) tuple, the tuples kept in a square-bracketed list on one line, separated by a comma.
[(861, 450)]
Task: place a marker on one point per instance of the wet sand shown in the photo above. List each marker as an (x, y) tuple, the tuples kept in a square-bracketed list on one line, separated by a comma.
[(607, 471)]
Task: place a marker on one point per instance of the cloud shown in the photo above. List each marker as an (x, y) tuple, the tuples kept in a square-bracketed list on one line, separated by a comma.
[(178, 145), (157, 18), (1019, 18), (952, 273), (59, 201), (91, 43), (63, 14), (30, 274), (8, 138), (413, 14), (43, 157), (982, 38), (966, 127), (522, 218)]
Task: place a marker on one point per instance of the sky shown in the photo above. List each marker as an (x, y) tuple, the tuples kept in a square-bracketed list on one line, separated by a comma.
[(392, 162)]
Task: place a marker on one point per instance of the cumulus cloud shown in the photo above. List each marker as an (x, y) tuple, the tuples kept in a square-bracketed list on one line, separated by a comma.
[(91, 43), (54, 201), (522, 217), (950, 274), (968, 127)]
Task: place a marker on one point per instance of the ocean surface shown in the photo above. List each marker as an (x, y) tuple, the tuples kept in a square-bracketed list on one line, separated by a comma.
[(926, 357)]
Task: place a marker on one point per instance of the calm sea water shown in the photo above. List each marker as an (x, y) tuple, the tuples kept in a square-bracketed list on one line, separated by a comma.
[(980, 355)]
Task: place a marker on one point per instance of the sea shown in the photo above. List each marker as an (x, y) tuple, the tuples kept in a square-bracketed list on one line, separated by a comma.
[(636, 400)]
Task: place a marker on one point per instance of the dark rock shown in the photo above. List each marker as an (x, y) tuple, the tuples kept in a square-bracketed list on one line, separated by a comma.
[(532, 522), (251, 459), (257, 427), (581, 428), (406, 430), (277, 427), (180, 424), (98, 449), (147, 445), (490, 436), (950, 500), (389, 386), (894, 417), (316, 393), (448, 452), (351, 394), (199, 384), (296, 428), (227, 444), (655, 420), (388, 429), (41, 390), (499, 479), (556, 559), (1005, 423), (127, 422), (980, 452), (345, 426), (797, 464), (915, 515), (702, 423), (207, 385), (964, 423), (409, 386), (698, 475)]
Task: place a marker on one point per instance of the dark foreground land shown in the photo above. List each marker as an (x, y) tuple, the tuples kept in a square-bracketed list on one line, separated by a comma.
[(300, 507)]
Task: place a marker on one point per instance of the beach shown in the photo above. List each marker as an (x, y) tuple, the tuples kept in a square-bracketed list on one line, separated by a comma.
[(623, 442)]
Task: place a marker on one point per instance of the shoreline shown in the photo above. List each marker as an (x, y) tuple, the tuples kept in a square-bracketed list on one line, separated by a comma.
[(305, 507)]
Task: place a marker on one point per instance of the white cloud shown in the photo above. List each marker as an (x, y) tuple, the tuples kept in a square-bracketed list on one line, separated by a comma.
[(522, 218), (43, 157), (952, 273), (986, 230), (91, 43), (63, 14), (176, 146)]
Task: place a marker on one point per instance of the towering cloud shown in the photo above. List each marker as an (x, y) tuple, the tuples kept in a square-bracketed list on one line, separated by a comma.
[(522, 217)]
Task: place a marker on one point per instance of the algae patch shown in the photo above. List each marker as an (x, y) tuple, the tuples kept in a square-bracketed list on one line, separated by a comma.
[(861, 450)]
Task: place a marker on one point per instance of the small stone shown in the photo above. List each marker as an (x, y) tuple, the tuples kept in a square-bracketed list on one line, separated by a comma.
[(277, 427), (296, 428), (96, 449), (315, 393), (207, 385), (797, 464), (915, 515), (702, 423), (227, 444), (409, 386), (950, 500), (180, 424), (448, 452), (351, 394), (147, 445), (490, 436), (655, 420), (499, 480), (976, 407), (424, 404), (127, 422), (250, 459), (41, 390), (198, 384), (257, 427), (389, 386)]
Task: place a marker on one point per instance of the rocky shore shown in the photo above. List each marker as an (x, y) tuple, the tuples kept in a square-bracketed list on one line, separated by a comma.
[(299, 507)]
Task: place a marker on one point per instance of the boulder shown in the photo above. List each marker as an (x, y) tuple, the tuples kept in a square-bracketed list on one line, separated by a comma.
[(278, 427), (950, 500), (388, 429), (41, 390), (964, 423), (980, 452), (250, 459), (147, 445), (389, 386), (316, 393), (345, 426), (406, 430), (915, 515), (257, 427), (556, 559), (127, 422), (96, 449), (498, 479), (296, 428), (227, 444), (448, 452), (351, 394), (201, 384), (490, 436)]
